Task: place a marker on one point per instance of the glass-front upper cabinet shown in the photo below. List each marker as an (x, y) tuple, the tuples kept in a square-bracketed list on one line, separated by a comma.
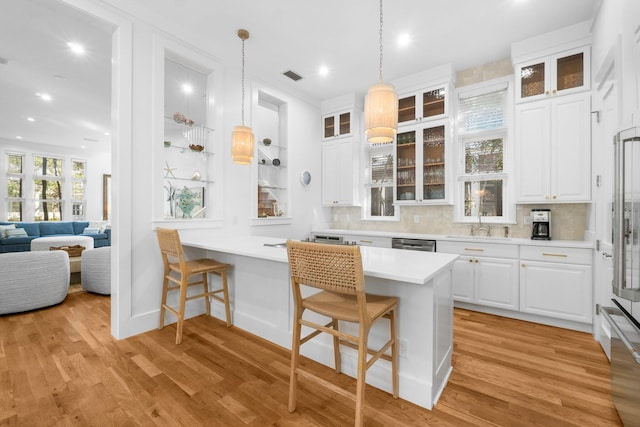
[(420, 165), (422, 105), (337, 125), (559, 74)]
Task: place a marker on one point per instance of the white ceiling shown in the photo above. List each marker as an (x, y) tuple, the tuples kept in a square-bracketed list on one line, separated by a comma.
[(285, 35)]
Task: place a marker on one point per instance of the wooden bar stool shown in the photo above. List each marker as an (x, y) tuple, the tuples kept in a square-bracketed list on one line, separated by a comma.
[(178, 270), (337, 270)]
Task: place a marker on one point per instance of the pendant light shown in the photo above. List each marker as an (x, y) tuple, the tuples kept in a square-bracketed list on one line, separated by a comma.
[(242, 136), (381, 107)]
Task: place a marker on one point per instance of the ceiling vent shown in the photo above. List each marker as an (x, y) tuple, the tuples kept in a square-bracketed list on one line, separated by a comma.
[(3, 60), (293, 76)]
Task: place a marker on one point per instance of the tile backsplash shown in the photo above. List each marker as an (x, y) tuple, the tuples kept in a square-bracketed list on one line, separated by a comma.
[(568, 221)]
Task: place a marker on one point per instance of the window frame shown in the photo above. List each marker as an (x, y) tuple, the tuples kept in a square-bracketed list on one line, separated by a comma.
[(370, 151), (14, 175), (82, 202), (505, 133)]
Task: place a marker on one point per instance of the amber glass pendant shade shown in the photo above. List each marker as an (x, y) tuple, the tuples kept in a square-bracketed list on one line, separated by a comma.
[(381, 113), (242, 145)]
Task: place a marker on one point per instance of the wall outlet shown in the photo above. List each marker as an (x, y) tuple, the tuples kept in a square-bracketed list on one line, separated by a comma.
[(526, 220), (403, 348), (416, 219)]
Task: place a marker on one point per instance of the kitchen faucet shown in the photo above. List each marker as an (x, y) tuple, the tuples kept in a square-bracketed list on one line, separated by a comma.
[(481, 227)]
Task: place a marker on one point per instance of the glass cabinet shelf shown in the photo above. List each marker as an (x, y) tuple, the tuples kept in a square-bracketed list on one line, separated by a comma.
[(420, 168)]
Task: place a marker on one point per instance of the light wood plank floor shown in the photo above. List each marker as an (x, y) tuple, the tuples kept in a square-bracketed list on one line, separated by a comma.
[(60, 366)]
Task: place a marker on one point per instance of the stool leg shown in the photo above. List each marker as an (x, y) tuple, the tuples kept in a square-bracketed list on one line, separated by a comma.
[(165, 286), (362, 372), (295, 353), (394, 352), (225, 293), (183, 300), (336, 347), (207, 302)]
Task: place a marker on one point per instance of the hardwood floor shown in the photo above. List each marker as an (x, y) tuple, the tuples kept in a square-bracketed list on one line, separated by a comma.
[(60, 366)]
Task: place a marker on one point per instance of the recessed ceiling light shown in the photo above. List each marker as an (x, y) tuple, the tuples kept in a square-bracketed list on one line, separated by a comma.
[(76, 48), (404, 40), (31, 119), (107, 134), (18, 137), (323, 70), (83, 146), (187, 88), (43, 96)]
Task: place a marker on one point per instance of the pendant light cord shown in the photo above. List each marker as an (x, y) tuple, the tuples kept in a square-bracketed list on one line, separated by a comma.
[(242, 107), (380, 71)]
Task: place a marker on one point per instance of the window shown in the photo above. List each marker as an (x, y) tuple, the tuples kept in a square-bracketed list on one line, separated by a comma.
[(47, 188), (15, 190), (379, 183), (78, 183), (482, 135)]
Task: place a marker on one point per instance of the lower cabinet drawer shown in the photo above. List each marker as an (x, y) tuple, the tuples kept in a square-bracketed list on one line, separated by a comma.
[(554, 254), (379, 242)]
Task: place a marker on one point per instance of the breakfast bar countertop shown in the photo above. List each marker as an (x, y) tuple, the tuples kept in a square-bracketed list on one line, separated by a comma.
[(404, 266)]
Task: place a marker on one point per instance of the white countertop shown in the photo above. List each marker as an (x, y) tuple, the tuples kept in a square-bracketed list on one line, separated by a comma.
[(460, 238), (393, 264)]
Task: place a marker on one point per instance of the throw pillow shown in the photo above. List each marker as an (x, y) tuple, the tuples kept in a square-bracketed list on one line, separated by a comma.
[(16, 232), (100, 225), (89, 230), (4, 228)]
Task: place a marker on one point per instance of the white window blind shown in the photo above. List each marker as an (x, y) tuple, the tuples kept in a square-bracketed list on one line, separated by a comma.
[(482, 111)]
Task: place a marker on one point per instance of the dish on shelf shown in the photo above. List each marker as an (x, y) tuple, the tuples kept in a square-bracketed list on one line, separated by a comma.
[(266, 141), (196, 147)]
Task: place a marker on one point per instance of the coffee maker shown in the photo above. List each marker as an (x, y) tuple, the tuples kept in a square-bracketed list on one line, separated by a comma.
[(541, 224)]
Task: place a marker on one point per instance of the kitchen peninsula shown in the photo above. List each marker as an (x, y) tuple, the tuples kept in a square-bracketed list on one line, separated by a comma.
[(262, 304)]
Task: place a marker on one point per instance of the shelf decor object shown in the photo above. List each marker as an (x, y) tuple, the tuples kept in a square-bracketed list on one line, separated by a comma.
[(242, 137), (381, 107)]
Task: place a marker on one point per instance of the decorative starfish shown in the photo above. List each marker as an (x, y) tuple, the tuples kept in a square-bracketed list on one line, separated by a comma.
[(169, 170)]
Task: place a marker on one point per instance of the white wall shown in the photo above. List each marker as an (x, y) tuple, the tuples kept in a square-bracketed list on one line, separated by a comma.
[(137, 271)]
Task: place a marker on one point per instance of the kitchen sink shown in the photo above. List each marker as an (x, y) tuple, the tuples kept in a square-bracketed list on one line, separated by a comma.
[(276, 245)]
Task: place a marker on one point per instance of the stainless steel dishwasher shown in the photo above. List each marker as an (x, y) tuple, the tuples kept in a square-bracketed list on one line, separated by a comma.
[(413, 244)]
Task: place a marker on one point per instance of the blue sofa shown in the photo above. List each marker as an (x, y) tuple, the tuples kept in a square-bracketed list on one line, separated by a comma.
[(42, 229)]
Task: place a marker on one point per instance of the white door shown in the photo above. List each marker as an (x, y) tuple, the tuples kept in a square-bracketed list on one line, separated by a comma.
[(571, 148), (605, 123), (532, 139), (497, 283)]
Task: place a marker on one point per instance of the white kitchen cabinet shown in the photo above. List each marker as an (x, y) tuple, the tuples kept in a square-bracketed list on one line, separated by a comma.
[(554, 75), (556, 282), (421, 166), (553, 146), (485, 273), (337, 125), (423, 104), (340, 167)]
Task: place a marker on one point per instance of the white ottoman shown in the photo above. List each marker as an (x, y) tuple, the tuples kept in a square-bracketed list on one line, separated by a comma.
[(96, 270), (44, 243)]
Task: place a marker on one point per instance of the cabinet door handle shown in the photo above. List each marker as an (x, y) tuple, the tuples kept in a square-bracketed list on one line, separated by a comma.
[(556, 255), (554, 91), (474, 249), (366, 241), (523, 265)]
